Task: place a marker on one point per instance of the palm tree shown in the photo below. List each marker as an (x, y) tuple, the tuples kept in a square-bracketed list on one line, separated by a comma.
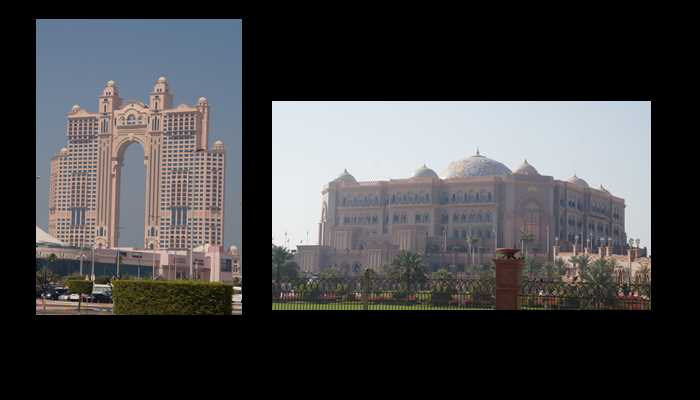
[(280, 257), (560, 266), (582, 261), (601, 278), (408, 267), (526, 238)]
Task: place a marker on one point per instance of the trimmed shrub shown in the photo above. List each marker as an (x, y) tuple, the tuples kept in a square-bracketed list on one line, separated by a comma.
[(79, 286), (137, 297)]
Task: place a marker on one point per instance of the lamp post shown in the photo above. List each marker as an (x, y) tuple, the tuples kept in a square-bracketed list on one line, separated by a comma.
[(575, 243)]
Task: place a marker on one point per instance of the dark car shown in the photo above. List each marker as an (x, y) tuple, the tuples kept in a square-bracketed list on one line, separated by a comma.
[(102, 297)]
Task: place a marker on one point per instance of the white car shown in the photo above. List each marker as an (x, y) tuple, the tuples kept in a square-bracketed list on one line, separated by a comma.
[(64, 297), (74, 297)]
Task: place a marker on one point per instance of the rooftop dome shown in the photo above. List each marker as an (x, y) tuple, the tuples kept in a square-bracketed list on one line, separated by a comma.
[(424, 172), (64, 150), (577, 181), (202, 99), (162, 79), (526, 169), (75, 108), (345, 177), (110, 83), (476, 165), (218, 143)]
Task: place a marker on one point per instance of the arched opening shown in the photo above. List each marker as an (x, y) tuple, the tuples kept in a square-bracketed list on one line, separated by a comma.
[(132, 187)]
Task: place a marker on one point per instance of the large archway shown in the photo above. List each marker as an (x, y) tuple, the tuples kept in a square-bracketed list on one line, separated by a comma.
[(131, 201)]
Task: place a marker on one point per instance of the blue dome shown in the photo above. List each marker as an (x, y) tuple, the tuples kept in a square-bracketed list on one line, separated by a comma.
[(476, 165)]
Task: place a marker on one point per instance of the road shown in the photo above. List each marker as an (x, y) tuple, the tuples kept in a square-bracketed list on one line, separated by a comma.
[(71, 308)]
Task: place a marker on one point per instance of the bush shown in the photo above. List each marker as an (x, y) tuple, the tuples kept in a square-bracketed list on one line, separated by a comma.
[(79, 286), (136, 297)]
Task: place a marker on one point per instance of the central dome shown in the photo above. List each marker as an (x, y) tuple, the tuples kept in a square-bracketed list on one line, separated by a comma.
[(476, 165)]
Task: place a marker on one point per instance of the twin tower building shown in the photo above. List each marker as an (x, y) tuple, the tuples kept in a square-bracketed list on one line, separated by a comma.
[(184, 186)]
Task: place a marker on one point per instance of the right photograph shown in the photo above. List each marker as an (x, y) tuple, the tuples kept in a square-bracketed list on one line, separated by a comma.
[(461, 205)]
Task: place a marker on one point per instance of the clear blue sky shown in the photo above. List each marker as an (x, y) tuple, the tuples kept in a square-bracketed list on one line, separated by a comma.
[(605, 143), (76, 58)]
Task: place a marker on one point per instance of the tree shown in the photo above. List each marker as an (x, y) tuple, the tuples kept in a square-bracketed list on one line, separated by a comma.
[(532, 267), (582, 261), (601, 278), (331, 272), (408, 268), (281, 258), (79, 286), (560, 266)]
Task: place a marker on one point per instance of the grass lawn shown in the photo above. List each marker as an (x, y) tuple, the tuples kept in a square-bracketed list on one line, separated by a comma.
[(303, 305)]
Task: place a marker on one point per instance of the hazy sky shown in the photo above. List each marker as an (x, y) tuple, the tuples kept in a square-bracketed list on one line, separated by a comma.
[(76, 58), (605, 143)]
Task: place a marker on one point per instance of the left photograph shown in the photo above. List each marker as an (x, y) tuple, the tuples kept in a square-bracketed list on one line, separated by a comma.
[(138, 167)]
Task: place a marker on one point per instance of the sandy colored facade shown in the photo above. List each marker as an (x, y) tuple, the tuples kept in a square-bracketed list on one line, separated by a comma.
[(365, 224), (184, 190)]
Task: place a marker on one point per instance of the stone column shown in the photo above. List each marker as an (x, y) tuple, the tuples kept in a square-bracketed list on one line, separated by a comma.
[(575, 249), (555, 251), (608, 251), (508, 273), (600, 251)]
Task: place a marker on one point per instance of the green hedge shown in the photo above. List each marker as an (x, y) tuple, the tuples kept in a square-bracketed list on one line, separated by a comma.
[(171, 298), (79, 286)]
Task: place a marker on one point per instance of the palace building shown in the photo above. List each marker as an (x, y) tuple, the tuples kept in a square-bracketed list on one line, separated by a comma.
[(365, 224), (184, 186)]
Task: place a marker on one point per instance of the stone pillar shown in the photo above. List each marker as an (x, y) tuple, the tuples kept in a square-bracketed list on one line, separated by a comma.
[(508, 273), (585, 250), (555, 251), (575, 250), (600, 252), (608, 251)]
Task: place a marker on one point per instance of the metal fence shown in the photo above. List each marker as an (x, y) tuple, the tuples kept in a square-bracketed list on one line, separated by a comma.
[(362, 293), (379, 293), (549, 295)]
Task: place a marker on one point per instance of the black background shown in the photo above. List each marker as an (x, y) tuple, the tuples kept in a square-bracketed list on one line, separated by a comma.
[(355, 53)]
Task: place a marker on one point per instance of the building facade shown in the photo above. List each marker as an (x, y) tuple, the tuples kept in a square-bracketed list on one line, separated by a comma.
[(365, 224), (184, 191)]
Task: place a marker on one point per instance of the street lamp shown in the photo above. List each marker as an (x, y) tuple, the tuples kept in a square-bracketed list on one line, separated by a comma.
[(575, 242)]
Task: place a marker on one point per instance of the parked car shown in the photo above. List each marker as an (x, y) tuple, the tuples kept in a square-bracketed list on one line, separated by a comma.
[(74, 297), (64, 297), (105, 297)]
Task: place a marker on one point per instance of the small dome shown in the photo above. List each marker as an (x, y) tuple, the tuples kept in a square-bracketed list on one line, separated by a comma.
[(75, 108), (202, 99), (110, 83), (476, 165), (64, 150), (526, 169), (424, 172), (345, 177), (233, 250), (162, 79), (218, 143), (577, 181)]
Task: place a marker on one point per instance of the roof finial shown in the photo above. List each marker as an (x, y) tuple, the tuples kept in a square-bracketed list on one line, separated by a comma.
[(477, 150)]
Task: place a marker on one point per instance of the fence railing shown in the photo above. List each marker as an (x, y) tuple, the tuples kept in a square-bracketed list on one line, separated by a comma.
[(381, 293), (361, 293), (550, 295)]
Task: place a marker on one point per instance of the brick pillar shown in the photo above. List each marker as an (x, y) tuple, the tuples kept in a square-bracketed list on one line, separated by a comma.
[(508, 273)]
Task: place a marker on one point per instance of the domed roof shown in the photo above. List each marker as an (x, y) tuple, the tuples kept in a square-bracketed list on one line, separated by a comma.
[(425, 172), (110, 83), (64, 150), (218, 143), (526, 169), (476, 165), (577, 181), (202, 99), (75, 108), (345, 177), (162, 79)]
